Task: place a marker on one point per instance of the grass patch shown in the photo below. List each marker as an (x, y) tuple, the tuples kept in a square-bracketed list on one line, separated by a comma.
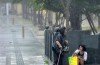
[(46, 62)]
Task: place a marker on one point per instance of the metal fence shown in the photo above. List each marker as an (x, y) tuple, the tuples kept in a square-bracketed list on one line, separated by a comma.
[(48, 43)]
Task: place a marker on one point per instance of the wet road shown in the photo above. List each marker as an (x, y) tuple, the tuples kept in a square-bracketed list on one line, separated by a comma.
[(16, 50)]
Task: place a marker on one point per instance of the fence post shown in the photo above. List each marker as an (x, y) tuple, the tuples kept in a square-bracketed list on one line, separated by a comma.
[(46, 41)]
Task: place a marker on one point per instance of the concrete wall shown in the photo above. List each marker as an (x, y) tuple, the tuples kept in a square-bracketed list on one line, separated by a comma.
[(91, 41)]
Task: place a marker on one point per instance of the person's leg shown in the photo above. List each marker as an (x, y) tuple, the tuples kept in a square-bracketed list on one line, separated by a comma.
[(81, 62), (65, 59), (55, 59), (61, 59)]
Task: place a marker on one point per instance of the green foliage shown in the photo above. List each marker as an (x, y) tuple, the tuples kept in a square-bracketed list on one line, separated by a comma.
[(57, 6), (16, 1), (38, 4), (92, 6), (54, 5)]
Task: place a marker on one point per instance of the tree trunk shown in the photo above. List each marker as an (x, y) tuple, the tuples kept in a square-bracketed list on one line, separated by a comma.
[(46, 18), (40, 22), (75, 17), (24, 6), (50, 18), (99, 21), (66, 10), (56, 23), (34, 16)]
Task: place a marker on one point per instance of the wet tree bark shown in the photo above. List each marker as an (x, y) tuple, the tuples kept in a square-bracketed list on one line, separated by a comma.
[(75, 17), (40, 21), (56, 23), (66, 10), (50, 18), (98, 21), (34, 17), (24, 8)]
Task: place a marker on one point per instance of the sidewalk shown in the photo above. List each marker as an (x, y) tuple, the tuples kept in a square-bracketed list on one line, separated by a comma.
[(18, 50), (35, 40)]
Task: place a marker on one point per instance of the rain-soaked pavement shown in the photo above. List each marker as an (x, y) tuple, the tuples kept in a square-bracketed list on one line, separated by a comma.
[(16, 50)]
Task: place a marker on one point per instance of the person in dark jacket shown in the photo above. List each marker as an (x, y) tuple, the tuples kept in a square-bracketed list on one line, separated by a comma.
[(59, 45)]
